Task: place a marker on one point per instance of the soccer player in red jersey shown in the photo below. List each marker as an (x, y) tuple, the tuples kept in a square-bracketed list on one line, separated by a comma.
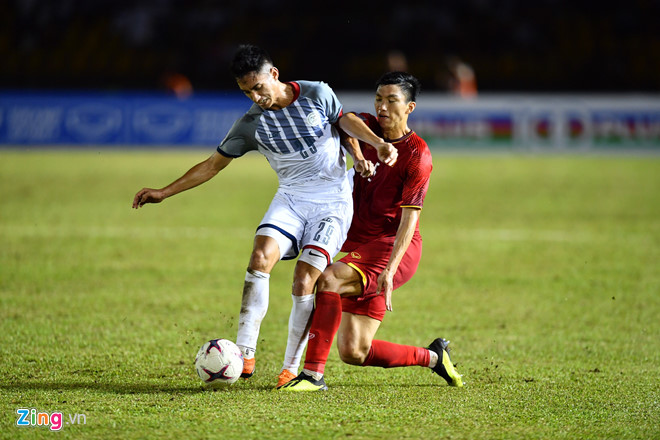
[(384, 248)]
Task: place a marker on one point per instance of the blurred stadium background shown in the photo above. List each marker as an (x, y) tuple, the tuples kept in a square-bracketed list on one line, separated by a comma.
[(506, 74)]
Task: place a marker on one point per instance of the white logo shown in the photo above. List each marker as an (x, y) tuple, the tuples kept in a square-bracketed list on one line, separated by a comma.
[(313, 119), (94, 122), (312, 336), (375, 170), (161, 123)]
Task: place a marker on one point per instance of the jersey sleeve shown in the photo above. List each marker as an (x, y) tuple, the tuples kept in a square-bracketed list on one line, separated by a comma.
[(371, 121), (416, 183), (240, 137)]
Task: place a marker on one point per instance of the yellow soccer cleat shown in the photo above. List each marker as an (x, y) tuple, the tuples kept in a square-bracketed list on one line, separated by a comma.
[(444, 368), (304, 382)]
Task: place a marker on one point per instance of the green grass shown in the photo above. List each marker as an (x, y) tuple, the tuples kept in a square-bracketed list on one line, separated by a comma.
[(543, 272)]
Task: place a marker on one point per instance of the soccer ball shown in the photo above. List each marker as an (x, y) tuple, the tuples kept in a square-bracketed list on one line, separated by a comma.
[(219, 362)]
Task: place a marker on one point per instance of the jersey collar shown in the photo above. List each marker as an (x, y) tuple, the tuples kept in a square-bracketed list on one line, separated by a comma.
[(404, 137), (296, 90)]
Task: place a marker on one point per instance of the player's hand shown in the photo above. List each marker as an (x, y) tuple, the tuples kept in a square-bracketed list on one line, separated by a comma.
[(364, 168), (387, 153), (147, 195), (386, 286)]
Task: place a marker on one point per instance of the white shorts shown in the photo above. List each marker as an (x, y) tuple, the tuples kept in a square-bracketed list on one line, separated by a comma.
[(296, 222)]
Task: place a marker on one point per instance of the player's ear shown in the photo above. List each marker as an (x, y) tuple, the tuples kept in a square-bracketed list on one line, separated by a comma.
[(274, 73), (411, 106)]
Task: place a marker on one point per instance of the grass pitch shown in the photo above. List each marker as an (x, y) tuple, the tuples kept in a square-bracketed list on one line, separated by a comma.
[(543, 272)]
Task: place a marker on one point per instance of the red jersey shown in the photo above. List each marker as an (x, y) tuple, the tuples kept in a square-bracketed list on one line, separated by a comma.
[(377, 200)]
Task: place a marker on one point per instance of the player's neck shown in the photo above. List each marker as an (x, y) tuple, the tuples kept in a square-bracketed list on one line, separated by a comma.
[(395, 133), (284, 98)]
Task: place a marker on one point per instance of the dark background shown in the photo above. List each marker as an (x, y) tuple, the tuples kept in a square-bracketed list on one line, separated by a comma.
[(533, 45)]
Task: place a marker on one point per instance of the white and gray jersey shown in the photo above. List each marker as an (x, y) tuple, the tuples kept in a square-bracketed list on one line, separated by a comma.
[(299, 141)]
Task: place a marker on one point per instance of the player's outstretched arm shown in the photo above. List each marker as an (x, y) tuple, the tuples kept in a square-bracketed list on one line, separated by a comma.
[(195, 176), (404, 235), (354, 126)]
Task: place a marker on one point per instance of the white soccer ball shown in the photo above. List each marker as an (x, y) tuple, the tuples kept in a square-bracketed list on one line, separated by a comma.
[(219, 362)]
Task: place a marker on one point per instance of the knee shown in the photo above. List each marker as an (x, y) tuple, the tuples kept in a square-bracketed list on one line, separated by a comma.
[(352, 353), (327, 281), (304, 279), (303, 285), (261, 260)]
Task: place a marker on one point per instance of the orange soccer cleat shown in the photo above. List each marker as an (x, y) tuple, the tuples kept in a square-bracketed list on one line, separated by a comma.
[(285, 377), (248, 368)]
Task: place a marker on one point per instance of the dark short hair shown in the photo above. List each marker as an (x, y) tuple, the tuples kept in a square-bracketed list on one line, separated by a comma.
[(249, 58), (410, 86)]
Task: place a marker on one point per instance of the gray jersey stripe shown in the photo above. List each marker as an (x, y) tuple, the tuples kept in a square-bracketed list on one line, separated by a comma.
[(275, 118), (261, 135), (274, 124), (298, 128), (269, 135), (307, 107), (292, 129)]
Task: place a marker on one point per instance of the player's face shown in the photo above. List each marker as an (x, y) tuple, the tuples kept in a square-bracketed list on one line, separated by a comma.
[(392, 108), (260, 87)]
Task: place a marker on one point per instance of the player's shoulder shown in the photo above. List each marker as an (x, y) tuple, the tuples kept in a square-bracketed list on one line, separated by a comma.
[(371, 121), (418, 144), (254, 112), (366, 117), (247, 122), (311, 85), (252, 115), (313, 89), (419, 149)]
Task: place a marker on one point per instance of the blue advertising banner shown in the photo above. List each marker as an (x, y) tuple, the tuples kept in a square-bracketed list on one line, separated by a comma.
[(117, 119)]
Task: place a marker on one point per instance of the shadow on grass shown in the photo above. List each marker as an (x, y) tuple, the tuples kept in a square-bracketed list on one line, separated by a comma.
[(159, 387), (388, 386), (106, 387), (122, 388)]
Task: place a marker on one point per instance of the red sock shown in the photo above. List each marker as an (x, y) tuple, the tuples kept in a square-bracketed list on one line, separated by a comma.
[(325, 323), (388, 355)]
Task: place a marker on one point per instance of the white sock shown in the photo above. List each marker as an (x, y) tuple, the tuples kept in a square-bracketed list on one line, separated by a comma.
[(299, 322), (253, 309), (315, 374), (433, 359)]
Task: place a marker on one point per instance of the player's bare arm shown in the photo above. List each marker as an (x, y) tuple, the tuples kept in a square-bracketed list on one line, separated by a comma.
[(404, 235), (354, 126), (363, 167), (195, 176)]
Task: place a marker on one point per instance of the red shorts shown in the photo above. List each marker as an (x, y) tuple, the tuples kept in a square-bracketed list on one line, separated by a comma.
[(369, 259)]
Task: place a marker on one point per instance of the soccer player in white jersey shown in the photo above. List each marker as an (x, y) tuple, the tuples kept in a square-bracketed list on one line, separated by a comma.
[(292, 124)]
